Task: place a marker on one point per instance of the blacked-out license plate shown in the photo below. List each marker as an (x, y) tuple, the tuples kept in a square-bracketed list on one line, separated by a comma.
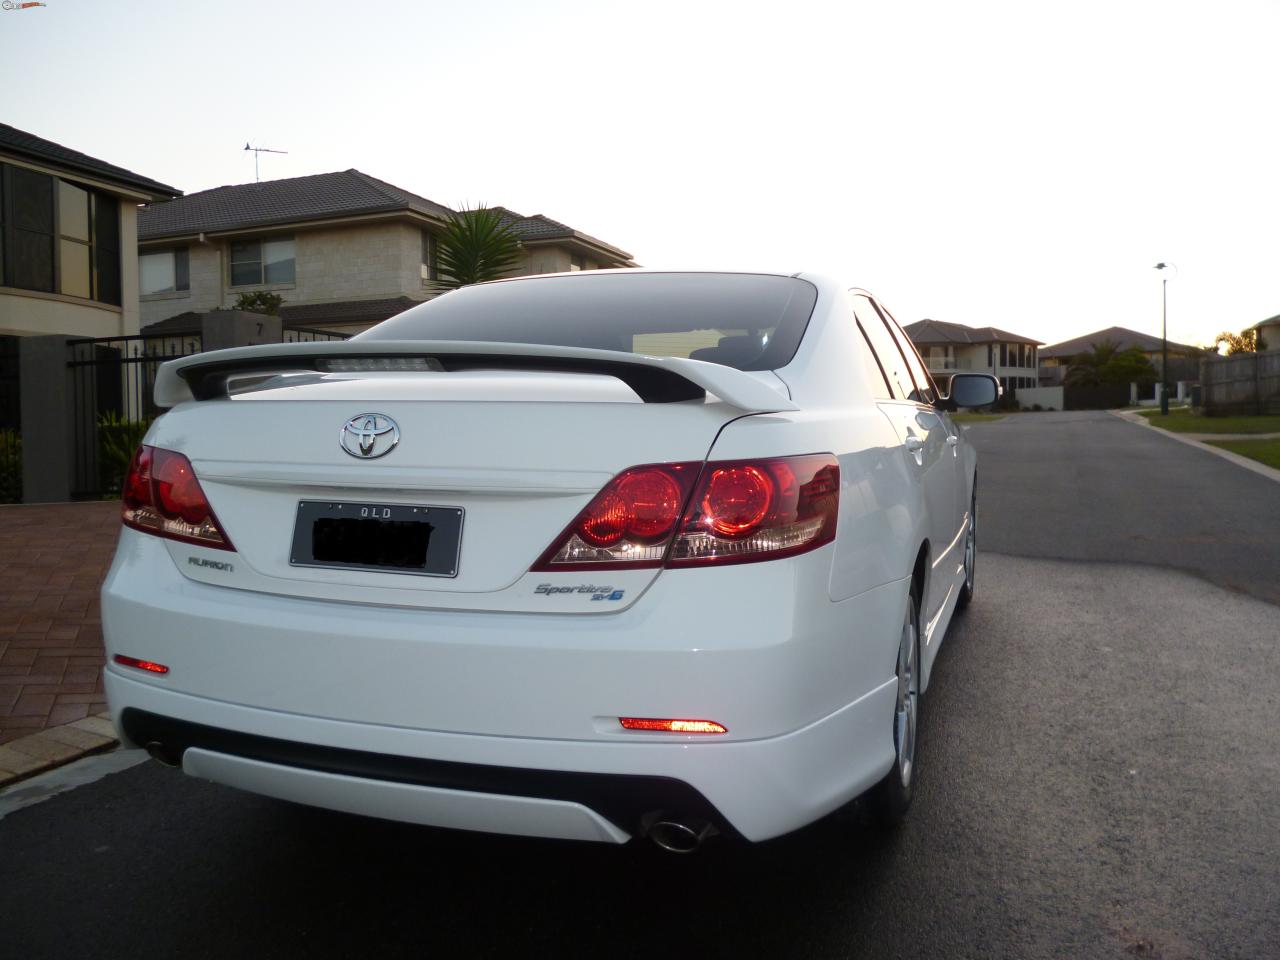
[(388, 537)]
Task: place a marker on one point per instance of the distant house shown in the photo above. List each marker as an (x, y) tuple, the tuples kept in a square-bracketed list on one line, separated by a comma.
[(1269, 332), (949, 348), (1057, 357), (345, 250)]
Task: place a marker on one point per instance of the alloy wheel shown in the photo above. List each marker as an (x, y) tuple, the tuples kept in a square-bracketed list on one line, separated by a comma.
[(971, 547), (908, 697)]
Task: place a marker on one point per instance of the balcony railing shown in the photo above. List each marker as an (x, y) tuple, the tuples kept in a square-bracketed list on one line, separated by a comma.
[(944, 365)]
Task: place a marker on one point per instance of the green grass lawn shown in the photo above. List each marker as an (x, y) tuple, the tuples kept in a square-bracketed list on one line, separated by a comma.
[(1264, 451), (1184, 421), (976, 417)]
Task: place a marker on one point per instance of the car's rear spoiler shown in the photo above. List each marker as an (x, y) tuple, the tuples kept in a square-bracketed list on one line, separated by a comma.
[(206, 376)]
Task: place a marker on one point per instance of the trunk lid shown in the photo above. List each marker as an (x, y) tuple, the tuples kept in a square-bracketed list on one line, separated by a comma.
[(519, 452)]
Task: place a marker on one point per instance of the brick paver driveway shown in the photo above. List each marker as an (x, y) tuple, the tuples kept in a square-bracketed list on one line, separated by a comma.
[(52, 561)]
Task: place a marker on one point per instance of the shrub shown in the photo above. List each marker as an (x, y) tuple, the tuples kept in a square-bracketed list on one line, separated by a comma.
[(259, 301), (118, 439), (10, 466), (1008, 401)]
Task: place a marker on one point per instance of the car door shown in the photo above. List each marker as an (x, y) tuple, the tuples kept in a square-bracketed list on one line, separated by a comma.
[(929, 392), (926, 439)]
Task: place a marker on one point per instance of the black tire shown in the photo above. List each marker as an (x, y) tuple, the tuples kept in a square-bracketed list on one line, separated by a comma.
[(891, 797), (970, 556)]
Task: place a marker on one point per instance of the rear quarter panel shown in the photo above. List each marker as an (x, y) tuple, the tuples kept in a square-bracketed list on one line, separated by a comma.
[(878, 528)]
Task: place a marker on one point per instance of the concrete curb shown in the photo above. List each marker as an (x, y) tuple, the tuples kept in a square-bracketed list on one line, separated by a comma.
[(1261, 469), (39, 752)]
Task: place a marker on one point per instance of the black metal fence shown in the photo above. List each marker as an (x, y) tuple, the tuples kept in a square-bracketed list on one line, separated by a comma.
[(112, 404), (10, 423)]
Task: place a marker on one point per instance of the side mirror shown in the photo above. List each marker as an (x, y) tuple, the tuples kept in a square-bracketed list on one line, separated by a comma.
[(972, 390)]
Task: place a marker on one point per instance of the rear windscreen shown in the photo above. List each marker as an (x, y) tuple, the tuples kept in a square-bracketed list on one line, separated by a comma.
[(745, 320)]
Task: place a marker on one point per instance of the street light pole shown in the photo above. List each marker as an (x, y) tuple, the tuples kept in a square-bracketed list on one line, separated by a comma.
[(1164, 337)]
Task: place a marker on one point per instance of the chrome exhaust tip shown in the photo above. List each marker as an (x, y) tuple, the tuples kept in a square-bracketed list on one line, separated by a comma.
[(159, 752), (676, 836)]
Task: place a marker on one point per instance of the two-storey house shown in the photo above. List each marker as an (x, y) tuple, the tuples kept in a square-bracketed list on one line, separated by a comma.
[(68, 268), (1184, 359), (345, 250), (949, 348)]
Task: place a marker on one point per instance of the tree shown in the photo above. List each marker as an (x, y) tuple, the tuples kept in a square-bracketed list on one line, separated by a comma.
[(1246, 341), (476, 246), (259, 301), (1129, 366), (1107, 363), (1084, 370)]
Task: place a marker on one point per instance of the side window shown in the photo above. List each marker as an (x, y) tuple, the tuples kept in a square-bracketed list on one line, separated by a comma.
[(886, 350), (871, 369), (925, 392)]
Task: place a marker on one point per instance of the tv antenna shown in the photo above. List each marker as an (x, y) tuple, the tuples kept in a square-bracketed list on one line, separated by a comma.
[(256, 151)]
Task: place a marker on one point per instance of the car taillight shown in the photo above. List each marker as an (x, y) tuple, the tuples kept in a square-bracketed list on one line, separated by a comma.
[(161, 495), (627, 524), (751, 510), (737, 512)]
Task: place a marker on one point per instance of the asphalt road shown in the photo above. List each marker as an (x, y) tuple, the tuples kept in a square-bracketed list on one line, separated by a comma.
[(1100, 778), (1090, 486)]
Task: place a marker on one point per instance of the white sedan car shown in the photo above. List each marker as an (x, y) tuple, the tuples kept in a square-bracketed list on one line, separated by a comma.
[(594, 556)]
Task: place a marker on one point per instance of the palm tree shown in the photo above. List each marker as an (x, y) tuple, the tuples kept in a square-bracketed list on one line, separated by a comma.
[(476, 246), (1085, 369)]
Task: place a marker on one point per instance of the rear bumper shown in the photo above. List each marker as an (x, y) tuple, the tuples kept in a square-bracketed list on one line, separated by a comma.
[(759, 648), (804, 685), (570, 789)]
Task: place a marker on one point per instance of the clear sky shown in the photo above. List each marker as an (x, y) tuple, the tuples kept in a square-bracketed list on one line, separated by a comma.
[(1017, 164)]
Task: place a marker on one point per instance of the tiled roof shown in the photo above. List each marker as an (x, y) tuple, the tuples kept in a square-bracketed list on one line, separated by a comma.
[(541, 227), (28, 145), (322, 196), (938, 331), (297, 315), (1122, 337)]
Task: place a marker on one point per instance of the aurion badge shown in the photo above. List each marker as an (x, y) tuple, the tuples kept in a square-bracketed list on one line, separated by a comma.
[(370, 435)]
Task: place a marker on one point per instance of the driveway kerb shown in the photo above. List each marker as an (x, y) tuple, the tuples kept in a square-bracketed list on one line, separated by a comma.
[(54, 746), (1190, 439)]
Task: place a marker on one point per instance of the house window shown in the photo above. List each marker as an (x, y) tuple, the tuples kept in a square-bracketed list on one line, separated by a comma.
[(75, 270), (1004, 354), (167, 271), (942, 358), (106, 247), (577, 263), (28, 229), (430, 256), (256, 262), (990, 354), (56, 236)]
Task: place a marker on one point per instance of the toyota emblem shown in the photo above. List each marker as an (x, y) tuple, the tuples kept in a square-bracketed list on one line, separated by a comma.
[(369, 436)]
